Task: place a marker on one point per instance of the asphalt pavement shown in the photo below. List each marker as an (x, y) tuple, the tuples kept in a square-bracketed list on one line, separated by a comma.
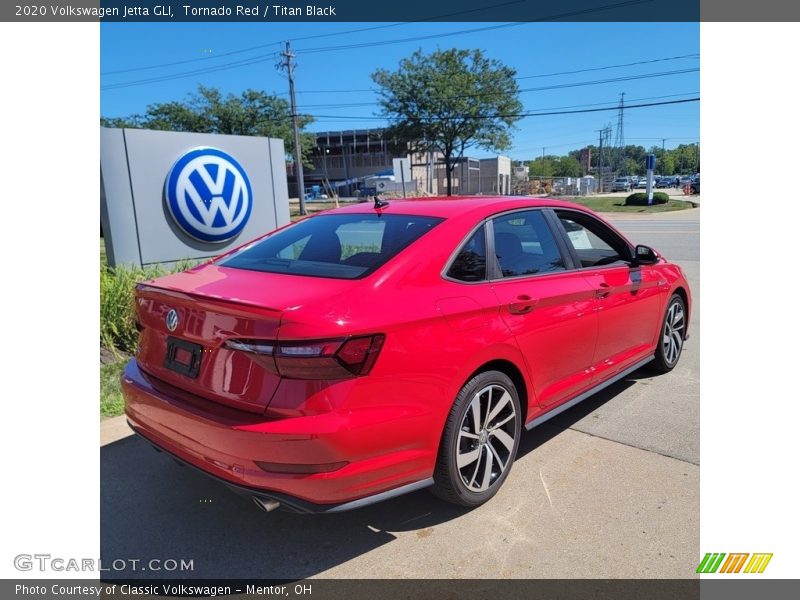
[(609, 488)]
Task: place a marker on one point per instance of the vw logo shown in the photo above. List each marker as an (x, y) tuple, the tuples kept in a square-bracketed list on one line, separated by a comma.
[(172, 319), (209, 195)]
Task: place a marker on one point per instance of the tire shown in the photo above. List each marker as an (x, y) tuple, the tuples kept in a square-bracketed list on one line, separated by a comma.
[(672, 336), (485, 449)]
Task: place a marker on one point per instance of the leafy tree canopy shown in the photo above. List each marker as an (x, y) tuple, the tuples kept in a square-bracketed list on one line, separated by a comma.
[(449, 101), (252, 112)]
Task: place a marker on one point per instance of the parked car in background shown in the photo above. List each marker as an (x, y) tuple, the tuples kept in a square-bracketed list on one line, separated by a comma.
[(694, 186), (373, 350), (642, 184), (621, 184), (665, 182)]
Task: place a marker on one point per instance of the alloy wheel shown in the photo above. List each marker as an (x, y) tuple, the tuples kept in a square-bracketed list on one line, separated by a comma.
[(486, 441), (672, 339)]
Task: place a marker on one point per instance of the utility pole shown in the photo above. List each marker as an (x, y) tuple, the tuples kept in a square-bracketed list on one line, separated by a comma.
[(542, 162), (600, 162), (619, 141), (289, 66)]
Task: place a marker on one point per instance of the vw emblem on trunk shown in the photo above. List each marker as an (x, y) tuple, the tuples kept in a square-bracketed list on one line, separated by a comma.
[(172, 319), (208, 195)]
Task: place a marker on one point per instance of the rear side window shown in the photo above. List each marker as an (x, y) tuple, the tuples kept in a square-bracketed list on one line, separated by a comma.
[(525, 245), (470, 263), (338, 246)]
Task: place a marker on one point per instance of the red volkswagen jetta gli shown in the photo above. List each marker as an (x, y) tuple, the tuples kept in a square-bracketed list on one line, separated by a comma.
[(373, 350)]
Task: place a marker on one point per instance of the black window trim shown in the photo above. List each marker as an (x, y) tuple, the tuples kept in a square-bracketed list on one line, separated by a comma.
[(493, 273), (562, 233), (460, 247)]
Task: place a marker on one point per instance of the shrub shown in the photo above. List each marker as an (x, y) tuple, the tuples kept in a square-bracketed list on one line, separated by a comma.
[(640, 199), (117, 313), (117, 316)]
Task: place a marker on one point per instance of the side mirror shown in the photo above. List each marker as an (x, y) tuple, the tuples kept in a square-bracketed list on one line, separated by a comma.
[(645, 255)]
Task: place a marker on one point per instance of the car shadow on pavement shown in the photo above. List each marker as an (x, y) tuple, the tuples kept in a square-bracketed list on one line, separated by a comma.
[(152, 508), (549, 429)]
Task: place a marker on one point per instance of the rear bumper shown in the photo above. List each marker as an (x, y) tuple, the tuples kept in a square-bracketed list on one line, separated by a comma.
[(225, 443)]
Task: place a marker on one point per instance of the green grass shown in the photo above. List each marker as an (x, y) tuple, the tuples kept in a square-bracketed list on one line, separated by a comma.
[(617, 204), (118, 332), (117, 316), (111, 404)]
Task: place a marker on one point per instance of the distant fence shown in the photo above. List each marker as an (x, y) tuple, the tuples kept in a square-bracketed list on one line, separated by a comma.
[(563, 186)]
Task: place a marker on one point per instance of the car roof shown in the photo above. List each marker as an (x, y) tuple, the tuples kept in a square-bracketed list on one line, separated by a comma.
[(445, 207)]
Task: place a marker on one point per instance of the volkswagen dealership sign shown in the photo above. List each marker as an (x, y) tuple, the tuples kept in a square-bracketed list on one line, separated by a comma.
[(168, 196), (209, 195)]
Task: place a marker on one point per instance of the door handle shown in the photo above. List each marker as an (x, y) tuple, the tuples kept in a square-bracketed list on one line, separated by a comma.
[(523, 305), (604, 291)]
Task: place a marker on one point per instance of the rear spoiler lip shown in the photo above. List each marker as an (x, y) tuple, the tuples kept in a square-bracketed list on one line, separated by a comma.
[(143, 288)]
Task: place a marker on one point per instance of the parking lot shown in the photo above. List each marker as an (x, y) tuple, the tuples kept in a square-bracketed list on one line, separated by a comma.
[(609, 488)]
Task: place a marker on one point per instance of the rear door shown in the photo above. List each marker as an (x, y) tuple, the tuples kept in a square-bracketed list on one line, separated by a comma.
[(548, 306), (629, 297)]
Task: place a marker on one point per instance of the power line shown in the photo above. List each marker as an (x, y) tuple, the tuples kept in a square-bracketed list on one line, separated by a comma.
[(581, 83), (224, 67), (190, 60), (357, 104), (410, 39), (554, 17), (633, 64), (525, 114), (263, 58), (586, 70), (312, 37)]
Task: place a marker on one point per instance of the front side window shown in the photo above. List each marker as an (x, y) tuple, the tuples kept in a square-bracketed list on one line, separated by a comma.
[(593, 244), (344, 246), (524, 244)]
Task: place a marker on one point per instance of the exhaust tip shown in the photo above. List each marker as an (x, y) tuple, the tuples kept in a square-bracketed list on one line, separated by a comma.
[(265, 504)]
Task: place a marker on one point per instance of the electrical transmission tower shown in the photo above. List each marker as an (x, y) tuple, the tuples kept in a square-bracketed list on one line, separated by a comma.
[(619, 140), (288, 65)]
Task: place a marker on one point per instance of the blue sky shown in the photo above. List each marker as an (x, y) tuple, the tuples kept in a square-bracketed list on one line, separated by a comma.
[(342, 76)]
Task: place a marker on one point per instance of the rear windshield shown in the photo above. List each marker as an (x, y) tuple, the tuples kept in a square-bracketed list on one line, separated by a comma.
[(339, 246)]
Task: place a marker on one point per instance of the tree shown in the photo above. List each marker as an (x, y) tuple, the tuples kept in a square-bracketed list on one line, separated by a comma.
[(567, 166), (448, 101), (208, 111), (541, 167)]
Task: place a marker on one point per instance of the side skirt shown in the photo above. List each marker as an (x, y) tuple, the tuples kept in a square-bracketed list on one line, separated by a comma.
[(580, 397)]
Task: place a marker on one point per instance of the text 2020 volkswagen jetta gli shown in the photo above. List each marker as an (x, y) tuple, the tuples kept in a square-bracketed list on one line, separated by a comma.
[(373, 350)]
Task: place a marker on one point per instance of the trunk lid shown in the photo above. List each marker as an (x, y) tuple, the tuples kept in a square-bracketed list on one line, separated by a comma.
[(214, 304)]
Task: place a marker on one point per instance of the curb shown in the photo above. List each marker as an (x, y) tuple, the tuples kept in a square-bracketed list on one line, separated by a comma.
[(114, 429)]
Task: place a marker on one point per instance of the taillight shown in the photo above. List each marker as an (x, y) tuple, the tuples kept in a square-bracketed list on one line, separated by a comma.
[(318, 359)]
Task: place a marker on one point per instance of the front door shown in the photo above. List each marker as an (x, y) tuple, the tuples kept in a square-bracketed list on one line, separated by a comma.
[(549, 309), (629, 297)]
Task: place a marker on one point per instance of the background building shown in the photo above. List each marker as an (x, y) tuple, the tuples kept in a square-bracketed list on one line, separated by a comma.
[(349, 161)]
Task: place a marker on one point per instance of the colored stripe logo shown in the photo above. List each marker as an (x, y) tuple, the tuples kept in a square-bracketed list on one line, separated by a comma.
[(719, 562)]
